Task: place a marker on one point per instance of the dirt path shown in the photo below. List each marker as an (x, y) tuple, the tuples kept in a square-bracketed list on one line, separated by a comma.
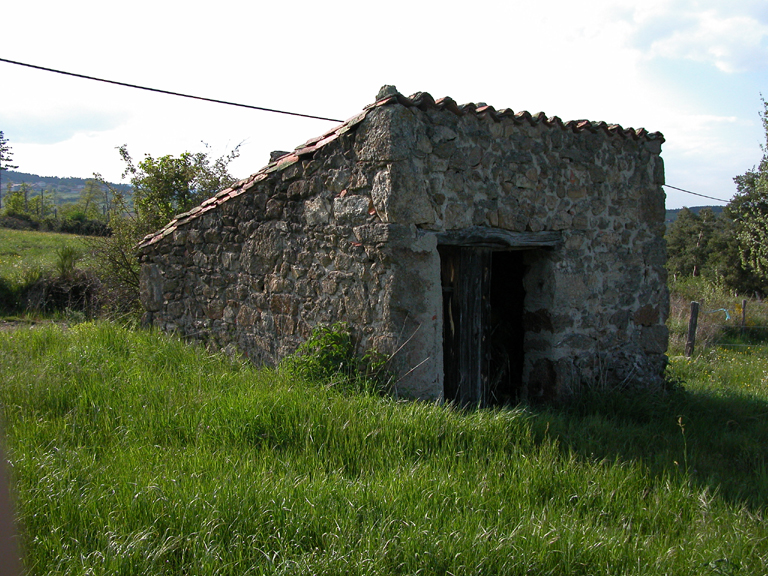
[(9, 325)]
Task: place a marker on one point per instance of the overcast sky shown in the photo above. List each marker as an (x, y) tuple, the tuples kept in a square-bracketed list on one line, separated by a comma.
[(693, 70)]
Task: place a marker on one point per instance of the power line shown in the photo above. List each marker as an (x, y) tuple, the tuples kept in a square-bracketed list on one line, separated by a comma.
[(215, 101), (696, 193), (168, 92)]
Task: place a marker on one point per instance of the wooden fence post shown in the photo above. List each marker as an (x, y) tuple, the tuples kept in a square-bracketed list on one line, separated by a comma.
[(692, 329)]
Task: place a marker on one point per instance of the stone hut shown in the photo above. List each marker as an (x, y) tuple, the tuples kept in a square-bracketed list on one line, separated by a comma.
[(493, 256)]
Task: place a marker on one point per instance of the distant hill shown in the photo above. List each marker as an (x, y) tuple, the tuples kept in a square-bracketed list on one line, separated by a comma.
[(68, 190), (672, 214), (65, 189)]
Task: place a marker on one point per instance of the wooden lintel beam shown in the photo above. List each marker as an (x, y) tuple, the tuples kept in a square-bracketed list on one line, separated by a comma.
[(482, 236)]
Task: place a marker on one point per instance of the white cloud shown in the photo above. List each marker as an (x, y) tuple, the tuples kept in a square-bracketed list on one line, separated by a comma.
[(733, 39), (699, 134), (731, 44), (54, 126)]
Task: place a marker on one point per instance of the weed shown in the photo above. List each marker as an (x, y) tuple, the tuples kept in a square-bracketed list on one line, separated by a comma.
[(681, 425), (329, 355), (66, 261)]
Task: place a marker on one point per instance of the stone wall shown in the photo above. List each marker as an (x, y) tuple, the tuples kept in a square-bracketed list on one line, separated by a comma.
[(347, 228)]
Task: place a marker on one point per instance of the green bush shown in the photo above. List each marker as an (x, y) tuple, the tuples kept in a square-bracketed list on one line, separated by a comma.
[(329, 356), (66, 261)]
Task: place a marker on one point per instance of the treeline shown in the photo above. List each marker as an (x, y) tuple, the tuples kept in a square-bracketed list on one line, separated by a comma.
[(65, 189), (706, 244), (730, 249), (25, 208)]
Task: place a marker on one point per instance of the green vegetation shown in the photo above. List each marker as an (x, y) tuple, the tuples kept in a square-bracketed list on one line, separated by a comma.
[(25, 209), (45, 272), (329, 356), (705, 245), (168, 185), (5, 157), (749, 209), (63, 190), (720, 316), (133, 453), (162, 187), (25, 249), (673, 213), (28, 208), (730, 248)]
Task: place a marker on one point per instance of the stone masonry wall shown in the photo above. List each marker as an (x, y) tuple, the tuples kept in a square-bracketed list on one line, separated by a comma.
[(345, 229), (596, 307), (267, 265)]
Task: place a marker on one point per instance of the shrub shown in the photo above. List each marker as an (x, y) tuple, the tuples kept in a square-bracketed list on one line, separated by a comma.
[(329, 356), (66, 260)]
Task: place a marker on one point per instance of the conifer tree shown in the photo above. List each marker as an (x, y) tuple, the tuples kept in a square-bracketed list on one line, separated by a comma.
[(5, 160)]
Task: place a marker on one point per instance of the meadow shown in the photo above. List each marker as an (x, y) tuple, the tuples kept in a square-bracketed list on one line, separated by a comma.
[(24, 250), (134, 453), (42, 275)]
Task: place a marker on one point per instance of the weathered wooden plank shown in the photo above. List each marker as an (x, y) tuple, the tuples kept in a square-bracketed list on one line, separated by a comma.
[(449, 263), (472, 298), (466, 309), (481, 236)]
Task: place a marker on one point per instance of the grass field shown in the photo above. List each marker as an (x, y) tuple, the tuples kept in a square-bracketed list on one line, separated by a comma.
[(43, 276), (25, 249), (133, 453)]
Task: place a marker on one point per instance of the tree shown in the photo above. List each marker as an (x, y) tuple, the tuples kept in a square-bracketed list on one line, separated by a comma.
[(168, 185), (162, 187), (90, 195), (15, 201), (686, 244), (41, 205), (5, 160), (749, 210), (706, 244)]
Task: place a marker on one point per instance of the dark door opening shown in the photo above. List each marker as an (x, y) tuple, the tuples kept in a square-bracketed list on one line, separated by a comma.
[(483, 333), (506, 331)]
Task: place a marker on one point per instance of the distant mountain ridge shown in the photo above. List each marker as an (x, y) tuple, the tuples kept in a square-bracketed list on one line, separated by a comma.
[(66, 189)]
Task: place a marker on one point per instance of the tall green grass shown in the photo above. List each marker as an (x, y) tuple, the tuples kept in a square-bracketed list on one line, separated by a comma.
[(22, 250), (720, 315), (133, 453), (41, 273)]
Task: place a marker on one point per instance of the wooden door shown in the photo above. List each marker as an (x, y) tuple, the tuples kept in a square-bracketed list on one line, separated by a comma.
[(466, 309)]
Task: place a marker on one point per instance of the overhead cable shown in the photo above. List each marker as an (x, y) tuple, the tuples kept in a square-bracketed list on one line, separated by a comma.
[(168, 92), (249, 106), (696, 193)]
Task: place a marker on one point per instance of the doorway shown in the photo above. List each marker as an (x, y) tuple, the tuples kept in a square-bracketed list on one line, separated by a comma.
[(483, 333)]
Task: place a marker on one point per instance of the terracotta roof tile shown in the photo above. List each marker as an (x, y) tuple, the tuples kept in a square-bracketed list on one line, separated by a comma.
[(421, 100)]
